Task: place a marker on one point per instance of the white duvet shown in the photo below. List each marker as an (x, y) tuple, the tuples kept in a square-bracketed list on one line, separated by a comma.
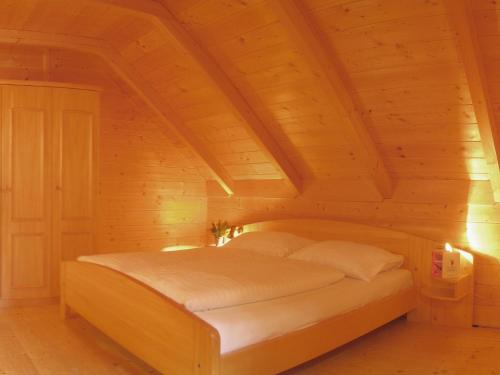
[(211, 278)]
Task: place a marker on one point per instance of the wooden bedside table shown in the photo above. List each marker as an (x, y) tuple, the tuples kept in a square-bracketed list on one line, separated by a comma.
[(451, 301), (451, 290)]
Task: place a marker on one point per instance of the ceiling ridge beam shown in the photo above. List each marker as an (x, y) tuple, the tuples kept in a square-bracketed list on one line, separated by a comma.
[(315, 47), (461, 17), (126, 73), (232, 95)]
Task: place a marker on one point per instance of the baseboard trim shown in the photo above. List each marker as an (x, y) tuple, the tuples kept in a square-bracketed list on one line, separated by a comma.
[(28, 302)]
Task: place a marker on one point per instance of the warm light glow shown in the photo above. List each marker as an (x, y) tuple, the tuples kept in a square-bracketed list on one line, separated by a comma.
[(448, 247), (479, 237), (238, 231), (222, 241), (178, 247), (467, 256)]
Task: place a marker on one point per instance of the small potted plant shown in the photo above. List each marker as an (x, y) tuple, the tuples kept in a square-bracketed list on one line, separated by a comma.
[(220, 230)]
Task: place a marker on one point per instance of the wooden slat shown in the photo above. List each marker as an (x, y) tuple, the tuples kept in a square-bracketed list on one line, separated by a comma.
[(315, 47), (149, 95), (130, 76), (233, 97), (460, 12)]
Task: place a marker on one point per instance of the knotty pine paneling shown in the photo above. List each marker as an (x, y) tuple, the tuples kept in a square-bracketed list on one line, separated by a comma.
[(184, 86), (396, 74), (401, 65), (487, 15), (253, 48), (151, 191), (74, 18)]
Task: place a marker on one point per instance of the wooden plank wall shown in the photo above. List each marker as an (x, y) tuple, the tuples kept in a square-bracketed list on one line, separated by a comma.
[(435, 209), (152, 193), (486, 16)]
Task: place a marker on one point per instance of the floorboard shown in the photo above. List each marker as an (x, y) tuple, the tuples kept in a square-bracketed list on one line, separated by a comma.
[(33, 340)]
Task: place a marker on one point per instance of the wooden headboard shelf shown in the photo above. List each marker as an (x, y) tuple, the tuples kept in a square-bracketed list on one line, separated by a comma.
[(416, 250)]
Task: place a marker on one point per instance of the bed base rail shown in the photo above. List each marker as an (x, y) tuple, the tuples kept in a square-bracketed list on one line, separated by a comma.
[(284, 352)]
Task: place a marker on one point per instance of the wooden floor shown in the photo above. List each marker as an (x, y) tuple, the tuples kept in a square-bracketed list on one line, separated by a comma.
[(33, 340)]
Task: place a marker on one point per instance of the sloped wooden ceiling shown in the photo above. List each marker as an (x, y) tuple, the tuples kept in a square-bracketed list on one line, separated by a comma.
[(233, 77)]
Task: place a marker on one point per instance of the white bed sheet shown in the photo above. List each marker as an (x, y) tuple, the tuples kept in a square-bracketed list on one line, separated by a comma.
[(210, 278), (243, 325)]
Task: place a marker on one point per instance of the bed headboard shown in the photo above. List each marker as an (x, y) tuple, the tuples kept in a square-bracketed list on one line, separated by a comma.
[(416, 250), (396, 242)]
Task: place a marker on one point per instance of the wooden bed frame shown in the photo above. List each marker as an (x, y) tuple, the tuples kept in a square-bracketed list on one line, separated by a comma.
[(175, 341)]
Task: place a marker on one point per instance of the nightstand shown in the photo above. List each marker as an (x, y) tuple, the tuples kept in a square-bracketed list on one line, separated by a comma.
[(450, 301), (451, 290)]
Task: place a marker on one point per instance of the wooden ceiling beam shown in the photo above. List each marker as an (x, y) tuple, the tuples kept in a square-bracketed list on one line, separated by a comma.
[(316, 48), (165, 112), (132, 78), (233, 97), (461, 16)]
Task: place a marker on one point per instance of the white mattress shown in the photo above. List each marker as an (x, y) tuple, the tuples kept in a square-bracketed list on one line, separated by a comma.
[(243, 325)]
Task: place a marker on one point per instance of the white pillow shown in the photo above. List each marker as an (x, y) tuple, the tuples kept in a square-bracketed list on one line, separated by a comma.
[(356, 260), (279, 244)]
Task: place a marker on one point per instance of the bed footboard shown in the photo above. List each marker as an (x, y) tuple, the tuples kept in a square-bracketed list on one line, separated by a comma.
[(148, 324)]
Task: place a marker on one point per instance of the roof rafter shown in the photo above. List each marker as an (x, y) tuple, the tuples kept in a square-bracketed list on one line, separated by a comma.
[(128, 74), (461, 16), (318, 52), (233, 97)]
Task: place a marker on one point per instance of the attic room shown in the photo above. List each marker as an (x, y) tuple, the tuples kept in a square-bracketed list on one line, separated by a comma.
[(250, 187)]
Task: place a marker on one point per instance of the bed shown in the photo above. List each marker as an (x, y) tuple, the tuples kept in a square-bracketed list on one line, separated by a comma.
[(175, 340)]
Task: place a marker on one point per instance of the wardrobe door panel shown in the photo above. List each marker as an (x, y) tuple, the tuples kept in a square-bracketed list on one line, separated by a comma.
[(76, 126), (28, 163), (77, 169), (29, 261), (26, 196)]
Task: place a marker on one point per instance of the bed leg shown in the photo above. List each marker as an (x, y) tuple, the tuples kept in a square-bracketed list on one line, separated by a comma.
[(65, 311)]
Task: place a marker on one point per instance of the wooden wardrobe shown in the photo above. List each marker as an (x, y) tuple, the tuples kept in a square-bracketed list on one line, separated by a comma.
[(48, 183)]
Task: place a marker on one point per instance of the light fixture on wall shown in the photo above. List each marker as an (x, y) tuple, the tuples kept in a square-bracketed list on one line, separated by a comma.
[(179, 247), (451, 262), (446, 264), (235, 231)]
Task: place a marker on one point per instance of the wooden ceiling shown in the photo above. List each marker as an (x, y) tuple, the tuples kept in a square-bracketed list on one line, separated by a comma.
[(339, 90)]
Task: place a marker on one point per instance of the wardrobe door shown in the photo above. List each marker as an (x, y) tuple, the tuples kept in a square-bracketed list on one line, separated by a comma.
[(76, 119), (26, 192)]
